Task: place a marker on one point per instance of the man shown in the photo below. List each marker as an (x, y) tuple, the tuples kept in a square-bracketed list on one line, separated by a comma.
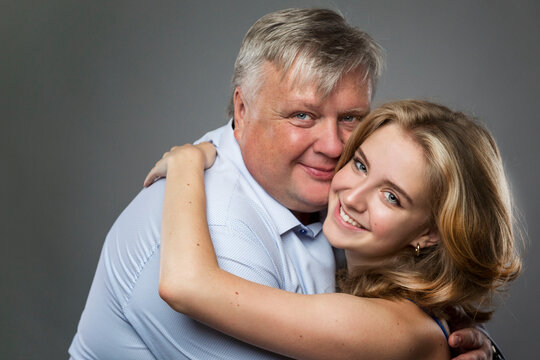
[(303, 79)]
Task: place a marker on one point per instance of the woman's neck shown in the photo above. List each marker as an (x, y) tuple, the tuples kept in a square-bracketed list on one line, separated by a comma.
[(359, 264)]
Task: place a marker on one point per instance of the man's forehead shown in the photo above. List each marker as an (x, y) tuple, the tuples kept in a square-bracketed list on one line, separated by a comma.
[(303, 77), (309, 92)]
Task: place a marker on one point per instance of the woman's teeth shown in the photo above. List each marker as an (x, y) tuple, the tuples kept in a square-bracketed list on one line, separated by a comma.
[(347, 218)]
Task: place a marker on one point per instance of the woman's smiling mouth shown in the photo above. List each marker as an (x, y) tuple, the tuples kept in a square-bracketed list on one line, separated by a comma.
[(346, 218)]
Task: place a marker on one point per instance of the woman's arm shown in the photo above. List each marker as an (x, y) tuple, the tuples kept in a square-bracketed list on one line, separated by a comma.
[(328, 326)]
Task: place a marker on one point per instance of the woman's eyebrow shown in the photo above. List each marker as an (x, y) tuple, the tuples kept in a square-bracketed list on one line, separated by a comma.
[(361, 154)]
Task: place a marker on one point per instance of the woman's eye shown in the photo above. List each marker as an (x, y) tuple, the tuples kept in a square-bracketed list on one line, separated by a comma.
[(391, 198), (303, 116), (360, 165)]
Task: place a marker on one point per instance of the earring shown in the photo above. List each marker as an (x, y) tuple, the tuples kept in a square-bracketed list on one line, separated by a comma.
[(417, 250)]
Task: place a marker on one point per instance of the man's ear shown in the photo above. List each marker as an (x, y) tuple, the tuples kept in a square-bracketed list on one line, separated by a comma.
[(428, 237), (239, 113)]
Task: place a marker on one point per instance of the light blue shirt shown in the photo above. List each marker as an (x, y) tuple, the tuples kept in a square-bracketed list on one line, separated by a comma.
[(255, 237)]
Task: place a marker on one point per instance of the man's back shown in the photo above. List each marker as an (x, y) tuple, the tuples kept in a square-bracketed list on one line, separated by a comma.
[(254, 237)]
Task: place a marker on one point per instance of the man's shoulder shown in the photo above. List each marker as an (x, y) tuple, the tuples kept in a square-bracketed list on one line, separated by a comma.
[(146, 206), (230, 199)]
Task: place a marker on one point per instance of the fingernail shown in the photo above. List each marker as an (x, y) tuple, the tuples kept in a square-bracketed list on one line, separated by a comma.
[(458, 340)]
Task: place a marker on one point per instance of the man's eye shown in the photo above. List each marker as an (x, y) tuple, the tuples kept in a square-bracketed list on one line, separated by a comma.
[(360, 165), (349, 118), (303, 116), (391, 198)]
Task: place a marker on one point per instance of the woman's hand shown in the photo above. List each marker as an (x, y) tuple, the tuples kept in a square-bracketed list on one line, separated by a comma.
[(204, 152)]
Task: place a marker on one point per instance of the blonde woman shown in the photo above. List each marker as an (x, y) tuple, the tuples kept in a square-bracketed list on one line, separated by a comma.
[(421, 207)]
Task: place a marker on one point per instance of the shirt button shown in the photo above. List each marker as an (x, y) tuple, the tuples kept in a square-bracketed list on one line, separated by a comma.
[(303, 231)]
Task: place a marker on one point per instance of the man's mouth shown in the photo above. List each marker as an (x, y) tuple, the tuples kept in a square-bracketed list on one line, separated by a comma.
[(320, 173), (345, 217)]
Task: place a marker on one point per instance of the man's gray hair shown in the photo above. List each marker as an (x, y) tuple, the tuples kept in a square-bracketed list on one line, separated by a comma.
[(317, 45)]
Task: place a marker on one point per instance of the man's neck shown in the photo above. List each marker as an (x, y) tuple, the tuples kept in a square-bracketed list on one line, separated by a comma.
[(307, 218)]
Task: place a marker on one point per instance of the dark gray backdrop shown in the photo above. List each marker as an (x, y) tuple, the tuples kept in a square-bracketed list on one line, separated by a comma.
[(92, 93)]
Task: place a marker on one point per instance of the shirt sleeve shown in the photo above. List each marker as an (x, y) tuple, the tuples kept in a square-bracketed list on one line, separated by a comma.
[(169, 334), (104, 331)]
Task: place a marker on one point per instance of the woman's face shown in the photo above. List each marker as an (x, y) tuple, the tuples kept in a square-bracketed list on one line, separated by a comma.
[(378, 201)]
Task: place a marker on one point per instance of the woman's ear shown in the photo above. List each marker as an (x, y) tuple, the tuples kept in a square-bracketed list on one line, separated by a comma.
[(428, 237)]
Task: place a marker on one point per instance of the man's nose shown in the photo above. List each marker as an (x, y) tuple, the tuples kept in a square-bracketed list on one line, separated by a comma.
[(329, 141)]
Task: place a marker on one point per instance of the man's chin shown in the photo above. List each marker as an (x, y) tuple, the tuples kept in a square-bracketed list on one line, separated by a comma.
[(305, 196), (310, 204), (316, 197)]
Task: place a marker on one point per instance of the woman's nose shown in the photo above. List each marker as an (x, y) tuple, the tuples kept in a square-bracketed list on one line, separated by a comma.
[(356, 197)]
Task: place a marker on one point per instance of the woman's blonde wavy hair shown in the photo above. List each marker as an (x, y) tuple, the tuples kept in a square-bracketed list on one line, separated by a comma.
[(470, 206)]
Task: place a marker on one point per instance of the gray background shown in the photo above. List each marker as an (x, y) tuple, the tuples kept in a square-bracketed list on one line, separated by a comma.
[(92, 93)]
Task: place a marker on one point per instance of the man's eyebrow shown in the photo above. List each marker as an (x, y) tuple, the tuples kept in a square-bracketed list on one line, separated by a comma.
[(357, 111), (305, 103), (393, 185)]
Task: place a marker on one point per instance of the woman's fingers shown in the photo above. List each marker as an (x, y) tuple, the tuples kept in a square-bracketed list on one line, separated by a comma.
[(206, 149), (210, 153), (155, 173)]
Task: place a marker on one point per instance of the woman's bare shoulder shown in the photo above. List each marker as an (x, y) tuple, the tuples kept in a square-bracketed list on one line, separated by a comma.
[(399, 327), (419, 328)]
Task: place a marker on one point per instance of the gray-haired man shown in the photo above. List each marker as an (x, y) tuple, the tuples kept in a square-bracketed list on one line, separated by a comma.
[(303, 79)]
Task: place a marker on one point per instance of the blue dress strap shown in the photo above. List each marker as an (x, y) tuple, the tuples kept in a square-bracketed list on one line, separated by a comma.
[(440, 325), (435, 319)]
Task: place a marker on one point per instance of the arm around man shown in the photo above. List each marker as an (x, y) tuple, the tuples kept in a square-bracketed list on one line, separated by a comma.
[(124, 315)]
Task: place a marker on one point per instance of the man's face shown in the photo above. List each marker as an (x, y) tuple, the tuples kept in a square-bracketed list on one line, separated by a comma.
[(291, 137)]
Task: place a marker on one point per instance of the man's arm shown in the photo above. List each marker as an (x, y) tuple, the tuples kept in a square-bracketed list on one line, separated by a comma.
[(104, 331)]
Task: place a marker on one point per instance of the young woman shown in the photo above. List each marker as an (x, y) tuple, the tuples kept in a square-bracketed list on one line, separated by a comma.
[(421, 207)]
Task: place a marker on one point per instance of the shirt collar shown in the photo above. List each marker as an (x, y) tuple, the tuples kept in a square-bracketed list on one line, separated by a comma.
[(311, 230)]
